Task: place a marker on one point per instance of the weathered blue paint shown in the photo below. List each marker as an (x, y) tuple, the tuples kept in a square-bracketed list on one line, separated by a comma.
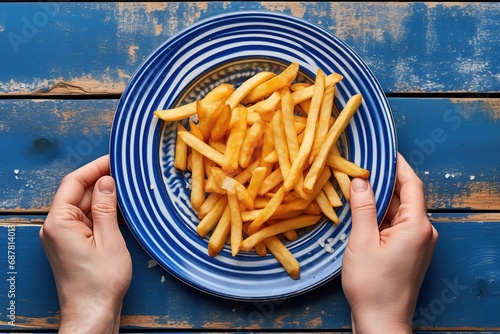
[(411, 47)]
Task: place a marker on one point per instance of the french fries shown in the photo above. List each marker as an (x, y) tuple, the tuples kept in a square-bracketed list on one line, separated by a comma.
[(264, 161)]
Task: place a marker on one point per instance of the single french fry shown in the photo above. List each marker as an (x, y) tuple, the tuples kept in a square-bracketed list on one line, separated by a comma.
[(280, 144), (298, 86), (197, 172), (235, 139), (275, 229), (252, 138), (332, 195), (220, 92), (221, 125), (246, 87), (267, 105), (212, 218), (176, 114), (338, 162), (326, 208), (208, 204), (325, 114), (344, 183), (220, 233), (291, 235), (267, 147), (307, 93), (305, 147), (258, 176), (181, 150), (284, 256), (236, 224), (333, 134), (201, 147), (287, 106), (284, 79)]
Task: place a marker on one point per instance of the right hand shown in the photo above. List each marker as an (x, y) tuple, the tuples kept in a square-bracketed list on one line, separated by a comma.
[(383, 268)]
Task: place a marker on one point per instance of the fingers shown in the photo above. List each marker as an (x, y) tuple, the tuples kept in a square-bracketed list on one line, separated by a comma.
[(104, 211), (364, 213), (73, 186)]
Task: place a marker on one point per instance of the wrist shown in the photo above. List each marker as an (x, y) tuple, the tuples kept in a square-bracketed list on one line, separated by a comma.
[(380, 324), (90, 319)]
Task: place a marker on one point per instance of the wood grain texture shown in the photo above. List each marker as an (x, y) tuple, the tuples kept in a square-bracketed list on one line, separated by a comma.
[(449, 142), (94, 48), (461, 279)]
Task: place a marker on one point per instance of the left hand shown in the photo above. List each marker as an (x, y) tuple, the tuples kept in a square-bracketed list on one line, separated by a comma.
[(90, 261)]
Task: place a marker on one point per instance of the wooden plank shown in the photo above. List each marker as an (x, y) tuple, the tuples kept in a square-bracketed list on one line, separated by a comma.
[(94, 48), (43, 140), (443, 139), (453, 145), (460, 291)]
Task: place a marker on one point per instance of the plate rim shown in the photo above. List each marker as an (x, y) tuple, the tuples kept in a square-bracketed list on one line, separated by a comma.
[(136, 232)]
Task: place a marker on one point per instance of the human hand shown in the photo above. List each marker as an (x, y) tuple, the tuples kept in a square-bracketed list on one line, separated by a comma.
[(90, 261), (383, 267)]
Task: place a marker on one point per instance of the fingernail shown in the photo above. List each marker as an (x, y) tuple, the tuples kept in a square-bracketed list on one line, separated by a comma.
[(359, 185), (106, 185)]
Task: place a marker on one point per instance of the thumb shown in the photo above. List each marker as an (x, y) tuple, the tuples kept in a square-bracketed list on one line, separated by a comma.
[(364, 213), (104, 209)]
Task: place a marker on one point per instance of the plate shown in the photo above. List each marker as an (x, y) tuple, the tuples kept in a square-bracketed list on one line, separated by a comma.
[(154, 197)]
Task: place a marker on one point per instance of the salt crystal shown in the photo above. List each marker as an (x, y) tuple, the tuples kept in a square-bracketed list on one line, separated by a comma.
[(426, 172), (330, 240), (342, 237), (447, 175), (471, 177), (162, 279), (151, 186), (321, 242), (16, 171), (152, 263)]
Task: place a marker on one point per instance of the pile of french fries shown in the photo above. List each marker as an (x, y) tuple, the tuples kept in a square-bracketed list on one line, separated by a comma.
[(264, 161)]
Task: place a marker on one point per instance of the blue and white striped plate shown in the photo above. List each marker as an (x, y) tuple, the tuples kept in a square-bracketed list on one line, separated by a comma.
[(154, 196)]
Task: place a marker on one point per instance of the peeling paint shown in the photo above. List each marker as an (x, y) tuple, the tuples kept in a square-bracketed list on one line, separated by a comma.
[(122, 74), (487, 106), (131, 53), (473, 195), (353, 21), (297, 9)]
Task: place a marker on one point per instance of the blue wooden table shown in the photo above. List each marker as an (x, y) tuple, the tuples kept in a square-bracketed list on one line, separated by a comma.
[(63, 67)]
